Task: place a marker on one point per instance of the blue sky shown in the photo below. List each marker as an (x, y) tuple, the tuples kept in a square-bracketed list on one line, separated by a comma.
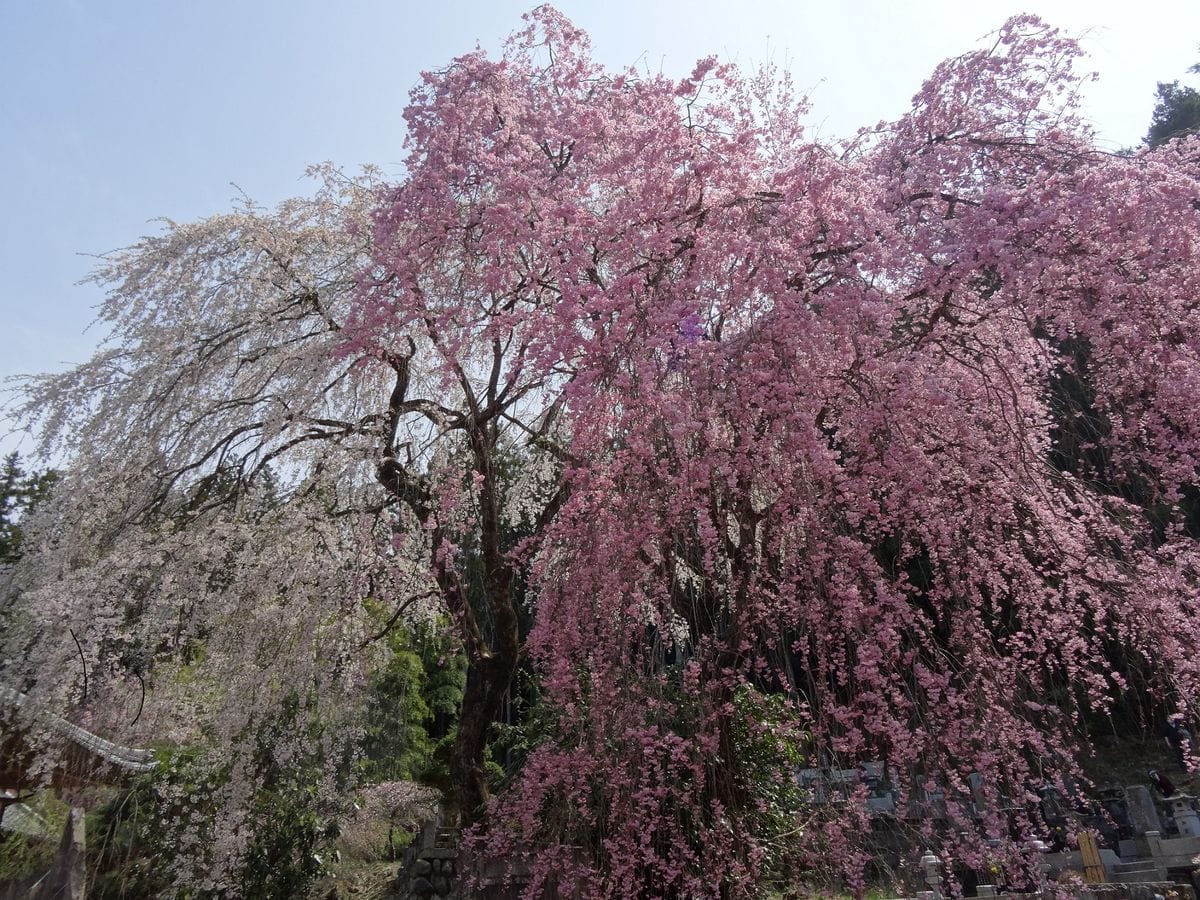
[(113, 112)]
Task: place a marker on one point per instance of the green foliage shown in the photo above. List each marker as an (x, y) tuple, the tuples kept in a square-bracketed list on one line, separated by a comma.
[(532, 723), (129, 841), (22, 856), (1177, 111), (413, 705), (768, 751), (372, 840), (397, 745), (290, 839), (291, 829), (173, 814), (445, 679), (20, 492)]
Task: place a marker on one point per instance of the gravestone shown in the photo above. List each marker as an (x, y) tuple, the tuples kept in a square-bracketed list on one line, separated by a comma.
[(978, 796), (1139, 806)]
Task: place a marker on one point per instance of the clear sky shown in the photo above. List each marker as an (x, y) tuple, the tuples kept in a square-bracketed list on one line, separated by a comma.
[(114, 112)]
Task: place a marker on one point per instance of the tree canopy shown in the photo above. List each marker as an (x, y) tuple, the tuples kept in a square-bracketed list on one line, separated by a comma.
[(20, 492), (1176, 112), (769, 435)]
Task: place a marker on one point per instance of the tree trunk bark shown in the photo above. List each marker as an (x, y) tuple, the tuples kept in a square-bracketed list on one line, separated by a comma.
[(492, 654), (483, 698), (492, 667)]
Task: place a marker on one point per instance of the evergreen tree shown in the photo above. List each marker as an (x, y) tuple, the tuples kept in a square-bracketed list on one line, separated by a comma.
[(1176, 113), (20, 492)]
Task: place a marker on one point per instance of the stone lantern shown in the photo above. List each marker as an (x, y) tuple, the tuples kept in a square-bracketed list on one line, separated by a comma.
[(931, 868), (1183, 809)]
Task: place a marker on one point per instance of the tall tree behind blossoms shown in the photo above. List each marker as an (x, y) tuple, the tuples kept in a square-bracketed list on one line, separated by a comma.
[(788, 411), (811, 396), (1176, 113)]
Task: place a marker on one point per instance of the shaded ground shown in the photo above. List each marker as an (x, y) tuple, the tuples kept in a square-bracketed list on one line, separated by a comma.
[(363, 881)]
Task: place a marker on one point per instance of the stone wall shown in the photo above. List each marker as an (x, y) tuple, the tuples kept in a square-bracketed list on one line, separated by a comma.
[(432, 869)]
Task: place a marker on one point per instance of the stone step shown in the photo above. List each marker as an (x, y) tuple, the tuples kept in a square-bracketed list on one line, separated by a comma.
[(1137, 865)]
